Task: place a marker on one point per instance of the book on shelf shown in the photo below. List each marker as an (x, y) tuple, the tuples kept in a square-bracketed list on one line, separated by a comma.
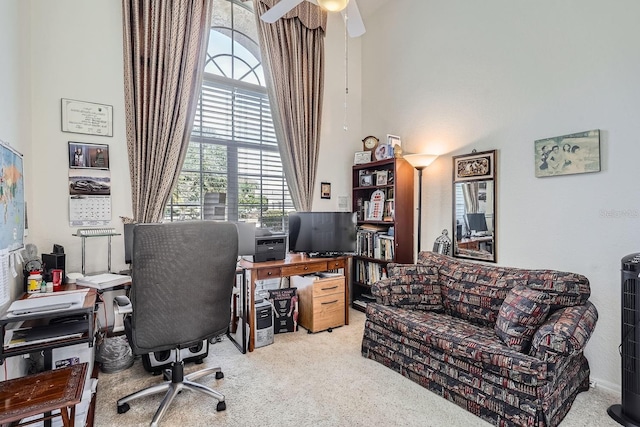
[(104, 281)]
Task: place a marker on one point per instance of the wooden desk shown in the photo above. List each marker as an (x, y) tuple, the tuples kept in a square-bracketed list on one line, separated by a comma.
[(292, 265), (42, 393), (473, 243)]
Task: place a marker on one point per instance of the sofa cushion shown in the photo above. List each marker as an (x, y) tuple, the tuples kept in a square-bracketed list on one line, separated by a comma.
[(520, 315), (410, 286)]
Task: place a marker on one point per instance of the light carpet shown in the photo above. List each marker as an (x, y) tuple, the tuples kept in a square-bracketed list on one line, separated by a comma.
[(308, 380)]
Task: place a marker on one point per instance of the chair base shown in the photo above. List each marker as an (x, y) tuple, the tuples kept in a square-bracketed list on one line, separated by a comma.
[(176, 383)]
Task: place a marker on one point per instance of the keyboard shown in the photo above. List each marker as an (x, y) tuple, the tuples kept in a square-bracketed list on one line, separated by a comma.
[(88, 232)]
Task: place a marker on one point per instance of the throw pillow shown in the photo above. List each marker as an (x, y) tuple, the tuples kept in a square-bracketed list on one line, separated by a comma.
[(414, 286), (520, 315)]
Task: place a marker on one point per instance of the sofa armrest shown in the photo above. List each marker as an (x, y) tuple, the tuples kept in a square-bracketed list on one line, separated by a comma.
[(410, 286), (565, 333)]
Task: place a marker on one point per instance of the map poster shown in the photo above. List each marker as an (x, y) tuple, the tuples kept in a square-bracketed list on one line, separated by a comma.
[(87, 117), (11, 199)]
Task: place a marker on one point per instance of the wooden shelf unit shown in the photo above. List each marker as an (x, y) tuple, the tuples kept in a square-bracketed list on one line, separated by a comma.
[(375, 246)]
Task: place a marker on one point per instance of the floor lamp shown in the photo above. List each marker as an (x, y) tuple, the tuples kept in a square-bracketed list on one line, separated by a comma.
[(420, 161)]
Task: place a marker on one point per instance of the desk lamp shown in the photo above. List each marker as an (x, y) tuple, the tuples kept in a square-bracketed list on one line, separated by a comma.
[(420, 161)]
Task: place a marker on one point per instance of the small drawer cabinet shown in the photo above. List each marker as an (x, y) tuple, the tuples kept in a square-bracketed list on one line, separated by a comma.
[(321, 302)]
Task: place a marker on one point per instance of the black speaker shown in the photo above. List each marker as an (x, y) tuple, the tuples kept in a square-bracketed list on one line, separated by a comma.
[(158, 361)]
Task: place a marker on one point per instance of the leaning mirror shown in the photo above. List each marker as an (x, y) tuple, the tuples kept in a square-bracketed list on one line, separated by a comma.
[(474, 206)]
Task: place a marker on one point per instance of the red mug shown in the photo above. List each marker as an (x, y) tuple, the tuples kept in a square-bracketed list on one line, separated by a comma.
[(56, 278)]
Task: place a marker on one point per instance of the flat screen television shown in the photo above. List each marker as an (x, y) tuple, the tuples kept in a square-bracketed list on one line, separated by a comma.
[(322, 233)]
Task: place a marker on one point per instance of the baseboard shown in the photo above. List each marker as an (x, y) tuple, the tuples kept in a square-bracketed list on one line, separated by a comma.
[(609, 386)]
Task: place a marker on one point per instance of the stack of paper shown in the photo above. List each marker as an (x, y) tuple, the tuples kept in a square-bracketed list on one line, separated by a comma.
[(104, 281)]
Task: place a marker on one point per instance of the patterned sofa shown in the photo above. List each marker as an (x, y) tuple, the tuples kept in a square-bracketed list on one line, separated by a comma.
[(506, 344)]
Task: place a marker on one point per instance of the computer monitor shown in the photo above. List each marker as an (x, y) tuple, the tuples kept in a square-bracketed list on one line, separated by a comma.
[(128, 243), (477, 222)]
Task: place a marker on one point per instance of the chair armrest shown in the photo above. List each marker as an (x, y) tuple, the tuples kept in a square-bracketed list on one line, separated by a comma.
[(565, 333), (122, 305), (410, 286)]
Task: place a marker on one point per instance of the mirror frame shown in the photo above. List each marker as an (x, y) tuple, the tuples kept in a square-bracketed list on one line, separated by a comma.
[(476, 167)]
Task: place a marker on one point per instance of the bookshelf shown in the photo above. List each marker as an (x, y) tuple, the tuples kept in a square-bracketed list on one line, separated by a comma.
[(382, 195)]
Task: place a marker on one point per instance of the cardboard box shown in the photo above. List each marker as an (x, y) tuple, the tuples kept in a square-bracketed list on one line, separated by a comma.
[(285, 309)]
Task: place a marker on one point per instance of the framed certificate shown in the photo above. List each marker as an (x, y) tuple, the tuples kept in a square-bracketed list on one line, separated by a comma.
[(87, 117)]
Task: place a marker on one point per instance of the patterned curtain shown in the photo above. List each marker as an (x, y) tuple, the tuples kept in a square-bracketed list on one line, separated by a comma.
[(293, 54), (164, 46)]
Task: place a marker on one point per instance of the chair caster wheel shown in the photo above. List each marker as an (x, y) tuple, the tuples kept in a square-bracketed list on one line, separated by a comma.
[(221, 406), (219, 376), (123, 408)]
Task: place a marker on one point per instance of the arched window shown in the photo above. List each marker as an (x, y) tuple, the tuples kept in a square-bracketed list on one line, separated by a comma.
[(232, 170)]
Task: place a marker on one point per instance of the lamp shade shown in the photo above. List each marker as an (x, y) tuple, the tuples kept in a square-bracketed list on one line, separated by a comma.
[(420, 161), (333, 5)]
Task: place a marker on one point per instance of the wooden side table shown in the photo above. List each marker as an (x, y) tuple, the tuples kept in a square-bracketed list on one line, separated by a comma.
[(42, 393)]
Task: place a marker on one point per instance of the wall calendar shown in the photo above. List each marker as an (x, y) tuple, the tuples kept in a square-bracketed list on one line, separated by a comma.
[(89, 210)]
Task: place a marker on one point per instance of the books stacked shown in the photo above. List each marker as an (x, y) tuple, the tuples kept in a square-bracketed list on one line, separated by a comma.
[(374, 242)]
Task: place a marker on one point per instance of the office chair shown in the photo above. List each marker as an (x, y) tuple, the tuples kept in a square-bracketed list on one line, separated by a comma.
[(182, 278)]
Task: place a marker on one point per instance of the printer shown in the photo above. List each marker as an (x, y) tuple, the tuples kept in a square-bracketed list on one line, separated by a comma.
[(270, 247)]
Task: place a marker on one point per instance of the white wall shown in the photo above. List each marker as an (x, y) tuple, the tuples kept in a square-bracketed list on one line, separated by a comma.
[(76, 52), (460, 75), (14, 110), (337, 143)]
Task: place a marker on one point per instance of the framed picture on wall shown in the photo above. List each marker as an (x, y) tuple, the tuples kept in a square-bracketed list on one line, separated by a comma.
[(474, 166), (569, 154), (325, 190)]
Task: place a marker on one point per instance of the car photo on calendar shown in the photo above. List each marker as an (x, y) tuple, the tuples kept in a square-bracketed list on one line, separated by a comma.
[(96, 183)]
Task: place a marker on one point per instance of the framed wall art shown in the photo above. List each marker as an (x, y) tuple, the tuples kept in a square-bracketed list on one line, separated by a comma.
[(325, 190), (569, 154), (474, 167)]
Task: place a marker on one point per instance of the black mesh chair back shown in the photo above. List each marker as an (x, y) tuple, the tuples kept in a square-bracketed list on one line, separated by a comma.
[(182, 280)]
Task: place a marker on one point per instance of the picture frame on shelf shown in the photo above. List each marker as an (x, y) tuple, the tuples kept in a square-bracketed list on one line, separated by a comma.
[(396, 145), (381, 177), (383, 152), (366, 180), (325, 190), (362, 157)]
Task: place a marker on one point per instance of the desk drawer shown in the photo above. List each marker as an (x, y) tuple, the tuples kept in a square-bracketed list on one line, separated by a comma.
[(328, 312), (324, 287), (268, 273), (336, 264), (310, 267)]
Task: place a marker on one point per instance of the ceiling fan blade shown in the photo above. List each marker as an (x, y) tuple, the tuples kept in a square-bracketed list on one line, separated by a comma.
[(279, 10), (355, 26)]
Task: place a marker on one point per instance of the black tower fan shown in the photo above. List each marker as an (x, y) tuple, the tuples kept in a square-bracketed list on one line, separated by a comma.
[(628, 414)]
